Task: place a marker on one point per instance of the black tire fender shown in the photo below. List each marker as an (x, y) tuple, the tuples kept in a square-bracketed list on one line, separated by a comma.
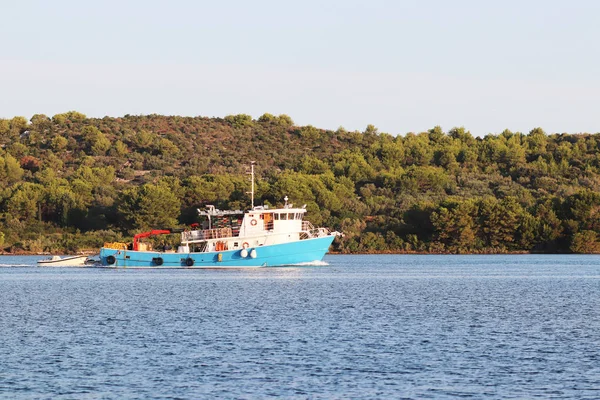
[(189, 261), (110, 260)]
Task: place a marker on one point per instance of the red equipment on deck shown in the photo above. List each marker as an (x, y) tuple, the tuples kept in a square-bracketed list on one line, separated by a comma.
[(136, 238)]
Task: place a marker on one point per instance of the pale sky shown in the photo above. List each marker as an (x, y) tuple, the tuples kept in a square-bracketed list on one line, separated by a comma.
[(400, 65)]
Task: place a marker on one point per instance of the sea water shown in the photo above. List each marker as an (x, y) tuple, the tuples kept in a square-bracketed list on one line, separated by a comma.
[(385, 326)]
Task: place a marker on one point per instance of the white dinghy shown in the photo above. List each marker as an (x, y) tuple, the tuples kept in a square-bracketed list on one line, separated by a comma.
[(57, 261)]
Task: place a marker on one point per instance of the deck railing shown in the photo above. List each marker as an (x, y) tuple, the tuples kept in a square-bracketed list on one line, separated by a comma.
[(307, 226), (309, 231), (206, 234)]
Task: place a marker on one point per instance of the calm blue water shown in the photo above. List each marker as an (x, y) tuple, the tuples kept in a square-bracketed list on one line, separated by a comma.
[(363, 327)]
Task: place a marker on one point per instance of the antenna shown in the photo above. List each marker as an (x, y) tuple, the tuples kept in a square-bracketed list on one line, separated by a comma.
[(252, 179)]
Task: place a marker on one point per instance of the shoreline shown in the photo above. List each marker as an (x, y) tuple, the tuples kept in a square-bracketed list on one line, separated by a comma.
[(33, 253), (91, 253)]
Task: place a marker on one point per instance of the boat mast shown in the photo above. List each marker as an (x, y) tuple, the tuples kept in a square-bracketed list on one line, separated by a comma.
[(252, 179)]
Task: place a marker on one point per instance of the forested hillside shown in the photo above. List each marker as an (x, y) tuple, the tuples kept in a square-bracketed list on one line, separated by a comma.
[(70, 183)]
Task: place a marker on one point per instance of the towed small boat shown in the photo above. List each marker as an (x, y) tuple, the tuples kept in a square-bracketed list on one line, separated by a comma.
[(69, 261)]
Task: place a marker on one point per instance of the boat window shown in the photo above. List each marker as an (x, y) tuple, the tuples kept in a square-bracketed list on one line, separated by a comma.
[(283, 216), (275, 216), (299, 216), (291, 216)]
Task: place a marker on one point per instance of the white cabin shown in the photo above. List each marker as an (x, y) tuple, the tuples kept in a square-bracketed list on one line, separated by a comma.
[(231, 230)]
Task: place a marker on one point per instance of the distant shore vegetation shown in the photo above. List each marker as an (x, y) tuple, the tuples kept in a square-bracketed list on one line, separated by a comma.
[(69, 183)]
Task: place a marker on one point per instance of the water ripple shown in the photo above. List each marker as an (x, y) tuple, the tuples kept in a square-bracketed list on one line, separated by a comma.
[(407, 327)]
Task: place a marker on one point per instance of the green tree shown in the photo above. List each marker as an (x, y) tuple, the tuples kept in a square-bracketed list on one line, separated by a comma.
[(417, 150), (143, 139), (499, 221), (526, 234), (167, 148), (148, 207), (207, 189), (285, 120), (313, 165), (424, 179), (309, 133), (40, 120), (584, 207), (455, 225), (119, 149), (537, 141), (585, 242), (58, 143), (392, 154), (96, 142), (62, 205), (353, 165), (266, 117), (462, 135), (24, 201), (10, 170), (436, 134), (4, 127), (549, 227), (240, 120), (11, 129), (69, 117)]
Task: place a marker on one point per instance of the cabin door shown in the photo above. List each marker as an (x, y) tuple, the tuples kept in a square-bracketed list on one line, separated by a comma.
[(268, 221)]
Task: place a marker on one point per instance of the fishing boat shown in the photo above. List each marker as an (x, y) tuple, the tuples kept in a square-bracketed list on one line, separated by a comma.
[(69, 261), (259, 237)]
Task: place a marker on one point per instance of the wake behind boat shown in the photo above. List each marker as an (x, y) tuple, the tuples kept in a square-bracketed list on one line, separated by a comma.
[(69, 261), (260, 237)]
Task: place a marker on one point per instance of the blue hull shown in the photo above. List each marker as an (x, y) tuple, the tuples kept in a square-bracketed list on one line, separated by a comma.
[(303, 251)]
